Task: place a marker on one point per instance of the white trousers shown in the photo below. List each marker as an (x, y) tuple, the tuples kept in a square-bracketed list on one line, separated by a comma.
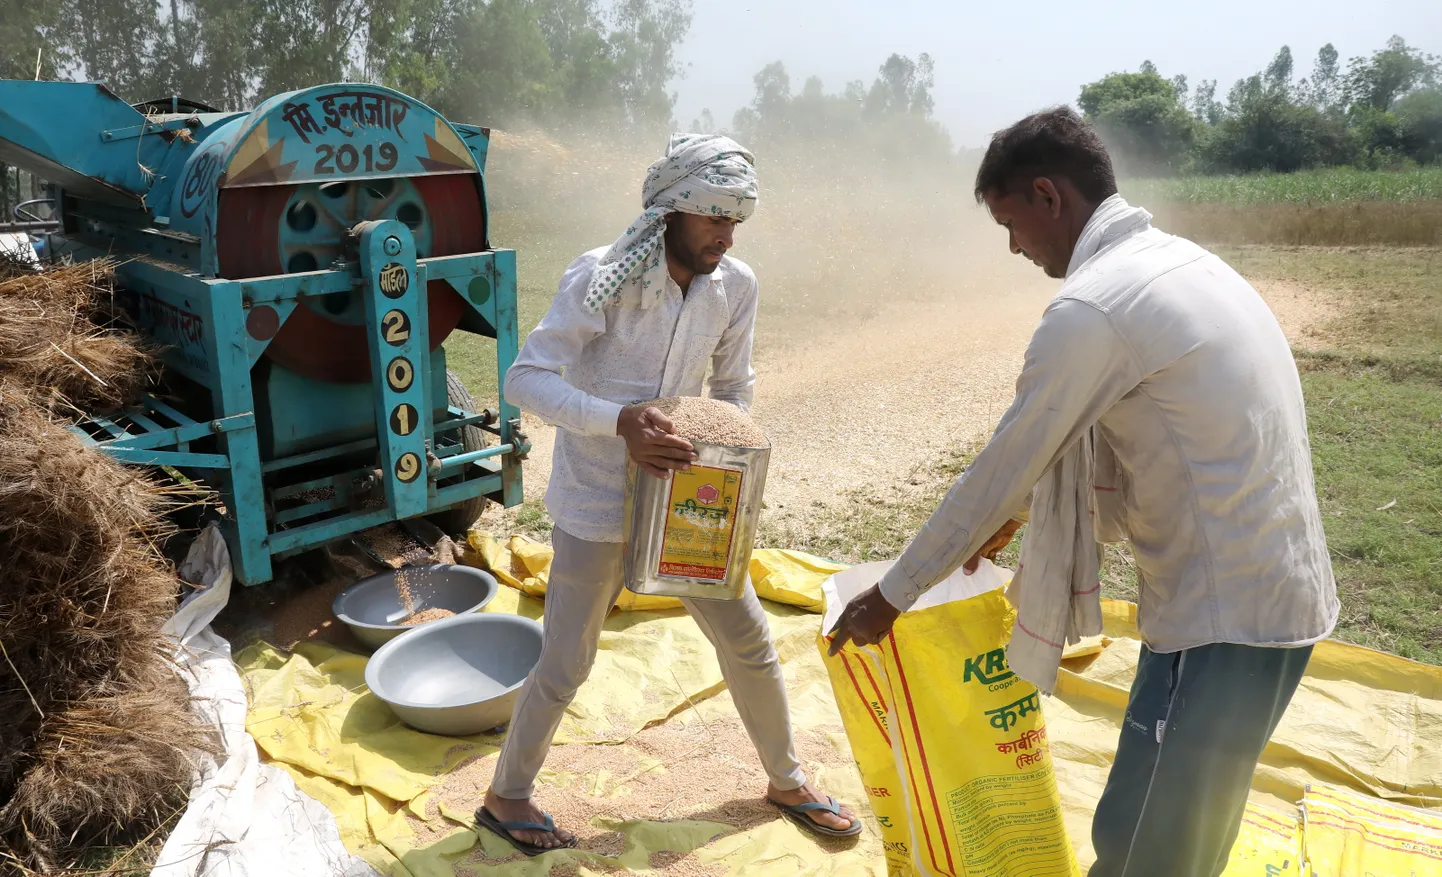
[(584, 584)]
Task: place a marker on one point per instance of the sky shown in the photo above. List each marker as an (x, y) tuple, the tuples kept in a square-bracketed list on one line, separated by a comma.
[(998, 61)]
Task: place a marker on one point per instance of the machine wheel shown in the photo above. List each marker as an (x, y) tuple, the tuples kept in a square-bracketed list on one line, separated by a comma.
[(458, 519), (295, 228)]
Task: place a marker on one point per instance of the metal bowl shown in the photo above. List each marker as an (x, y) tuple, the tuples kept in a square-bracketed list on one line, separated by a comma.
[(459, 676), (371, 607)]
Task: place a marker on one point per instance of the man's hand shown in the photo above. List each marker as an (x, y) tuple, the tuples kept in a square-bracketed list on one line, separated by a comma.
[(993, 546), (652, 442), (864, 621)]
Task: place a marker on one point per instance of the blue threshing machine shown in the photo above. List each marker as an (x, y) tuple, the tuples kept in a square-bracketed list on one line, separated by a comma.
[(302, 265)]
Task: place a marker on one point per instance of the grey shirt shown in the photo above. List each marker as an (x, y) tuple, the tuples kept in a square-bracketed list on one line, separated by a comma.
[(1187, 374)]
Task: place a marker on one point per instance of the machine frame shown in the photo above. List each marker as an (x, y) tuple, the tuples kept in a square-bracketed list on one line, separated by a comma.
[(215, 330)]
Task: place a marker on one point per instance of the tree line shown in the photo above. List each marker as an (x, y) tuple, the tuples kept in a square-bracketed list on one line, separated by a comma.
[(889, 121), (567, 62), (481, 61), (565, 66), (1383, 111), (552, 63)]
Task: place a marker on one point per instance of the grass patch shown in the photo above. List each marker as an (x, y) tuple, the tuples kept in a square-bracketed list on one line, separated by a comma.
[(1341, 185), (1329, 224), (1377, 451), (1391, 298), (530, 519), (1331, 207), (543, 251)]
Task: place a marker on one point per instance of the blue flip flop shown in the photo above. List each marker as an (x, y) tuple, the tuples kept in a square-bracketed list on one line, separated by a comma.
[(797, 813), (504, 829)]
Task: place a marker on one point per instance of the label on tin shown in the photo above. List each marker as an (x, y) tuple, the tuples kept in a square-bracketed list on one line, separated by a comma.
[(700, 523)]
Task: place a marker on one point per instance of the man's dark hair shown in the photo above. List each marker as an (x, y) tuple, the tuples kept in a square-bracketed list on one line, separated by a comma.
[(1054, 143)]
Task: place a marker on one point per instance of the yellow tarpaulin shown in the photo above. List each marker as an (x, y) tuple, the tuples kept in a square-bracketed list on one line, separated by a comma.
[(1347, 834), (788, 577), (675, 775)]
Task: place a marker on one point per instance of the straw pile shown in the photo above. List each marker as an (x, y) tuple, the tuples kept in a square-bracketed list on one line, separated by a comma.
[(97, 736), (11, 265), (58, 340)]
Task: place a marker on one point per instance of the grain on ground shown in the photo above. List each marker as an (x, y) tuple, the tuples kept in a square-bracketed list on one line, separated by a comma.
[(306, 616), (666, 773), (681, 864)]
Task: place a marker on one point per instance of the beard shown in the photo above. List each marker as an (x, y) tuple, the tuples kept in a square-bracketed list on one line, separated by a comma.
[(706, 262), (702, 261)]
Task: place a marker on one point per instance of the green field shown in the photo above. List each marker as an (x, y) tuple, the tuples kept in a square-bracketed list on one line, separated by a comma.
[(1341, 185)]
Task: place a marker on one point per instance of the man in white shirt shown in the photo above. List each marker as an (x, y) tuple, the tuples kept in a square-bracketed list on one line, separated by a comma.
[(638, 321), (1160, 355)]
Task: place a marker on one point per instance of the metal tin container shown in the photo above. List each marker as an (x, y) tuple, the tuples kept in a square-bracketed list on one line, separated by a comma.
[(691, 535)]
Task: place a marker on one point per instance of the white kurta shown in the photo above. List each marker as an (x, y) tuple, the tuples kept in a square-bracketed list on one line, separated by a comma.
[(578, 368), (1187, 375)]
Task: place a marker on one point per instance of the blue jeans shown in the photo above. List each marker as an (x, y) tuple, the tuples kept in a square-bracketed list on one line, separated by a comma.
[(1196, 724)]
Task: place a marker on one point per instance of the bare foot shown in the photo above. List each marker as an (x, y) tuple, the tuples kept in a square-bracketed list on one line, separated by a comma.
[(513, 810), (809, 794)]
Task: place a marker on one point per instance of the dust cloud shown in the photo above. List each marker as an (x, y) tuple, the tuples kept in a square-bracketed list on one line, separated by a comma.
[(892, 321), (836, 241)]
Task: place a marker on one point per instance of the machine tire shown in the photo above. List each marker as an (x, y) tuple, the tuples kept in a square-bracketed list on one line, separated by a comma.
[(458, 519)]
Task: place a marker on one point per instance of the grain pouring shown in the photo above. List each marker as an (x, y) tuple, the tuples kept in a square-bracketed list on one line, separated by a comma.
[(413, 614), (403, 590)]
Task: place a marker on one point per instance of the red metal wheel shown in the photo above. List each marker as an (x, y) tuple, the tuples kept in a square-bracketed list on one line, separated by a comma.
[(268, 230)]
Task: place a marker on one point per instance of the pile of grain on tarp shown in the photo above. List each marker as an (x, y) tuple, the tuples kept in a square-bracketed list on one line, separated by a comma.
[(97, 739)]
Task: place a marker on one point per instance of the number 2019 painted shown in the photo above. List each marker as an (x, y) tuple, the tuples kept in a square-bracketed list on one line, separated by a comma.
[(347, 159)]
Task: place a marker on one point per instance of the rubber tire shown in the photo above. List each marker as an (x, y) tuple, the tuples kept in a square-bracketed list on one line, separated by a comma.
[(458, 519)]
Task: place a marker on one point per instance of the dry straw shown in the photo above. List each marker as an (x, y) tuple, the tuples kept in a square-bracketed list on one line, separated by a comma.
[(97, 743), (60, 342)]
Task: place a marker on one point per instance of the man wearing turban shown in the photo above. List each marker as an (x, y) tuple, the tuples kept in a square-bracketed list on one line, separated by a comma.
[(642, 319)]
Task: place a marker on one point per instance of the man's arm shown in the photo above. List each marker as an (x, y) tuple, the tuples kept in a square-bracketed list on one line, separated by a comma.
[(1023, 514), (733, 379), (1076, 368), (534, 381)]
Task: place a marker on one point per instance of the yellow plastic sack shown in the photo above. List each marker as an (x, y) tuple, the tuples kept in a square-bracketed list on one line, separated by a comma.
[(1348, 835), (951, 744), (1269, 844)]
